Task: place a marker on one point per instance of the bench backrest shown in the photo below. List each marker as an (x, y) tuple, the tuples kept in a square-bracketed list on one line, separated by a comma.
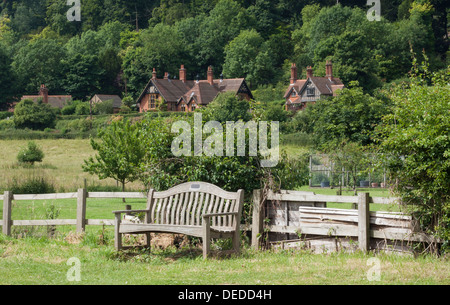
[(186, 203)]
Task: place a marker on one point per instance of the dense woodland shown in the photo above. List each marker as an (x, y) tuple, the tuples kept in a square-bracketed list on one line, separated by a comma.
[(114, 47)]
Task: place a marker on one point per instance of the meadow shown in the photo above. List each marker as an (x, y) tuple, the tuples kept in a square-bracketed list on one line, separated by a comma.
[(30, 257)]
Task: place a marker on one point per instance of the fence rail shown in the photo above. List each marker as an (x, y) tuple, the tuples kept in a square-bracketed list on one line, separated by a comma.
[(80, 222)]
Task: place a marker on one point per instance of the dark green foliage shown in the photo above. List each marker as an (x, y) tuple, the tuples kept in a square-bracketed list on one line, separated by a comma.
[(33, 184), (36, 116), (31, 154)]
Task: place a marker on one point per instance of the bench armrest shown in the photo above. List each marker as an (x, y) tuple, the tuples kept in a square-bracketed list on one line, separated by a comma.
[(220, 214), (130, 211)]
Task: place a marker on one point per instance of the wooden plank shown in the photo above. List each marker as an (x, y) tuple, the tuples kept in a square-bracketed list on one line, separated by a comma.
[(81, 210), (100, 222), (363, 222), (197, 187), (314, 198), (385, 200), (7, 208), (257, 224), (126, 195), (161, 228), (45, 196), (180, 206)]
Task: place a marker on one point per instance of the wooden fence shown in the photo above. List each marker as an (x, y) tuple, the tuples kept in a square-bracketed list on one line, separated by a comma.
[(284, 215), (291, 214), (80, 222)]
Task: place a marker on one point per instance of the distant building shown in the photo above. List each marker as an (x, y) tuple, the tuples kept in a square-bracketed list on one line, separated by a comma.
[(100, 98), (182, 95), (57, 101), (301, 92)]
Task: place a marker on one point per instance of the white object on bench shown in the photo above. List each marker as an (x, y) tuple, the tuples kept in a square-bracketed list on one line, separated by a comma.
[(196, 209)]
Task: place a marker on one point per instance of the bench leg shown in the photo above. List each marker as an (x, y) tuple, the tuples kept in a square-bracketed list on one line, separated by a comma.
[(206, 237), (117, 235), (237, 241), (148, 240)]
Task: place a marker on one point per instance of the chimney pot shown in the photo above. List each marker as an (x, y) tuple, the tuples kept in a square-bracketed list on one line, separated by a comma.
[(183, 74), (309, 72), (329, 71), (166, 75), (210, 75), (43, 91), (294, 73), (154, 74)]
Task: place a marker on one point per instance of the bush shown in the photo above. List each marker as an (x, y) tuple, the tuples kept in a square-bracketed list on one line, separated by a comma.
[(36, 116), (31, 154), (82, 109), (5, 114)]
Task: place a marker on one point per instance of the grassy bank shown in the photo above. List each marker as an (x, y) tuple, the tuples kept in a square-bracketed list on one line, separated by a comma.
[(43, 261)]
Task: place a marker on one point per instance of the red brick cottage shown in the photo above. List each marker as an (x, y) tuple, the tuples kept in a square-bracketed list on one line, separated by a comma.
[(310, 90), (182, 95)]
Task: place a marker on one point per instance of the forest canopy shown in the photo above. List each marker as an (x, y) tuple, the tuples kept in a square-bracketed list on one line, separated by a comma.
[(116, 44)]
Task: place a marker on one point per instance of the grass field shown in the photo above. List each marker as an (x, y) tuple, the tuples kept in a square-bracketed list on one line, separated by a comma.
[(34, 260), (61, 165)]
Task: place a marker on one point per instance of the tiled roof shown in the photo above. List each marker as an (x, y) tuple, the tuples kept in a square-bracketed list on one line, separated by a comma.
[(57, 101), (174, 90), (117, 101)]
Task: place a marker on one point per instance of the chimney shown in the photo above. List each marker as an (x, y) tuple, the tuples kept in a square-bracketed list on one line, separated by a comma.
[(43, 91), (294, 75), (210, 75), (183, 74), (166, 75), (154, 74), (329, 70), (309, 72)]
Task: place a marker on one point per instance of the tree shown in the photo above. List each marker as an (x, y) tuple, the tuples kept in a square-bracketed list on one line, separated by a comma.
[(119, 152), (36, 116), (40, 62), (7, 77), (352, 116), (31, 154), (228, 107), (416, 135)]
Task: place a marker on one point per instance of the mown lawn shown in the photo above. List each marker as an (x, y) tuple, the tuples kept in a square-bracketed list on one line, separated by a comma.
[(44, 261)]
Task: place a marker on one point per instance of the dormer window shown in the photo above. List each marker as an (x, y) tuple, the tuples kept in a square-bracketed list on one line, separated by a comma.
[(293, 94), (311, 91)]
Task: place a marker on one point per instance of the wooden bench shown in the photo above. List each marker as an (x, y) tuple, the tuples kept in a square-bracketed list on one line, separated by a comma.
[(196, 209)]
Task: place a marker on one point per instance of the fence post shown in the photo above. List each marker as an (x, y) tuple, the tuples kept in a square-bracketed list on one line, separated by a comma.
[(7, 207), (364, 221), (81, 210), (257, 223)]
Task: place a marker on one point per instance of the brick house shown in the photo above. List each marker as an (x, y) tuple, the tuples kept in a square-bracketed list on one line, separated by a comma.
[(301, 92), (182, 95), (57, 101)]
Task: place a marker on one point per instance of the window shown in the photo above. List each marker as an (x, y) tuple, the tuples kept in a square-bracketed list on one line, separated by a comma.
[(293, 94), (152, 101), (193, 107), (311, 91), (183, 108)]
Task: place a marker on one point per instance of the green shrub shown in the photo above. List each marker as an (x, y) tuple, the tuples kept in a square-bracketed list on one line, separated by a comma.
[(30, 154), (5, 114)]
